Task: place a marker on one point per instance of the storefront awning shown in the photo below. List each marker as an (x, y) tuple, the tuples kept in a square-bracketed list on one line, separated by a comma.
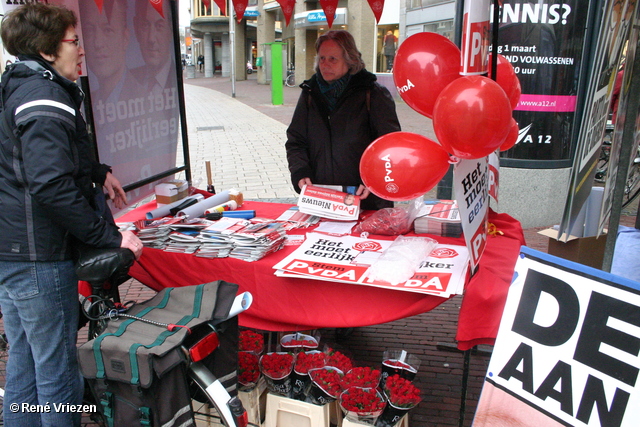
[(317, 18)]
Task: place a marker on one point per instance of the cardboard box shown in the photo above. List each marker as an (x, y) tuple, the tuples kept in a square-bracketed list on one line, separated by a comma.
[(584, 250), (171, 191)]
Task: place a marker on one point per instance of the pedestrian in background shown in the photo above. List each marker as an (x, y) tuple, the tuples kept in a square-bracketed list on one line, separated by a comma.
[(46, 194), (390, 46), (341, 110)]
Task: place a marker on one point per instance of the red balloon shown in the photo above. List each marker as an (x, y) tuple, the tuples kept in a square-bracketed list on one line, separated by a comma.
[(472, 117), (401, 166), (424, 65), (507, 79), (512, 136)]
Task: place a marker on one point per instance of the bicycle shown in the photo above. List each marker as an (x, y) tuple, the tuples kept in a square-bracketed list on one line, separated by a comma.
[(290, 80), (201, 342), (632, 185)]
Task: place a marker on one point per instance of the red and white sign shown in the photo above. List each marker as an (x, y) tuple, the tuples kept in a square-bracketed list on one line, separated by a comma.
[(329, 203), (323, 257), (475, 38), (471, 188)]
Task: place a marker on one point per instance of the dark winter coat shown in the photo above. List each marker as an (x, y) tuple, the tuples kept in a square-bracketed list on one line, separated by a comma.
[(46, 182), (327, 147)]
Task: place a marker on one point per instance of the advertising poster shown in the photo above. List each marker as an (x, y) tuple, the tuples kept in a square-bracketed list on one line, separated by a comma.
[(475, 38), (471, 189), (349, 259), (567, 349), (545, 42), (614, 30), (133, 85)]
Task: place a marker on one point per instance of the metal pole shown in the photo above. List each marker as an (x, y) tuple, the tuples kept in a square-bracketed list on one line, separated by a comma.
[(232, 47)]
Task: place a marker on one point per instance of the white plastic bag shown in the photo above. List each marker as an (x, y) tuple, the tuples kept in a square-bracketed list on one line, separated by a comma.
[(398, 263)]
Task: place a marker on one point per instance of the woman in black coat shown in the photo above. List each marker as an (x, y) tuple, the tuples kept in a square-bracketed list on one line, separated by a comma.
[(341, 110)]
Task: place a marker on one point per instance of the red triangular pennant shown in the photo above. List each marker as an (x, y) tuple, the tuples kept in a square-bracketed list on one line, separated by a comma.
[(222, 4), (376, 7), (329, 7), (157, 5), (207, 3), (239, 6), (287, 7), (99, 4)]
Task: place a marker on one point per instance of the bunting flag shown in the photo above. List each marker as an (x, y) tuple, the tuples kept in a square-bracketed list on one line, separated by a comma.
[(157, 5), (207, 3), (329, 7), (99, 4), (222, 4), (239, 6), (287, 7), (376, 7)]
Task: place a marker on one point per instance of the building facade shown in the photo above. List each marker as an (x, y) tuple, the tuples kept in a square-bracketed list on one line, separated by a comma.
[(264, 23)]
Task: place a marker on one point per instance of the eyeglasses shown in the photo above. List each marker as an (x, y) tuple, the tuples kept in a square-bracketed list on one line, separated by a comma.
[(75, 41)]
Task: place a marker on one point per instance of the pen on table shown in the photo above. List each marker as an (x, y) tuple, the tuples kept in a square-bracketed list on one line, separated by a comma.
[(213, 216)]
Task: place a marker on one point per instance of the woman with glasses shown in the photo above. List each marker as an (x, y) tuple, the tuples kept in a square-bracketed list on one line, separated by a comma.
[(341, 110), (46, 179)]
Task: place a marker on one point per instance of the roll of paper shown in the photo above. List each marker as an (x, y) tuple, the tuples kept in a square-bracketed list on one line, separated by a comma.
[(198, 209), (165, 210)]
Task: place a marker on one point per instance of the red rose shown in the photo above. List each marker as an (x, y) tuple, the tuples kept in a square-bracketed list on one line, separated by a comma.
[(401, 392), (309, 360), (250, 341), (361, 377), (248, 370), (328, 379), (276, 365), (362, 400), (339, 360)]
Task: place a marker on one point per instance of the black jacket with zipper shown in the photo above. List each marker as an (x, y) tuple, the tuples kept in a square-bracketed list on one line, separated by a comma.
[(46, 180), (327, 146)]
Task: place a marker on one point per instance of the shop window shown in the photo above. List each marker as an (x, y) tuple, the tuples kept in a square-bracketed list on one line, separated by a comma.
[(444, 28)]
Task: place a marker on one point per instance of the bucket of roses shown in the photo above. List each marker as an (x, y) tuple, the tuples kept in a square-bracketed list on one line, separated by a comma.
[(362, 405), (248, 370), (402, 396), (399, 362), (338, 359), (276, 368), (249, 340), (325, 385), (305, 361), (299, 341), (362, 376)]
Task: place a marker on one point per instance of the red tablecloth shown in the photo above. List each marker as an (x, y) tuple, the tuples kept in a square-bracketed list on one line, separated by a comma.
[(288, 304)]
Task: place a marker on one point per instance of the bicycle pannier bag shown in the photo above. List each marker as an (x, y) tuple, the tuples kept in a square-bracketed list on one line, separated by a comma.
[(136, 370)]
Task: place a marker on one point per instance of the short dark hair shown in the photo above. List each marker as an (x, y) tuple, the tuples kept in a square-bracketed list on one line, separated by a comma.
[(36, 28), (345, 40)]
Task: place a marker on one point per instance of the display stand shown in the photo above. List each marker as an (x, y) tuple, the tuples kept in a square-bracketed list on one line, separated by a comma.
[(284, 412)]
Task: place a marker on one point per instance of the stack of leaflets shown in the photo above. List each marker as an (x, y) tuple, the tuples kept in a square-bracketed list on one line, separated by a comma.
[(215, 241), (329, 203), (155, 234), (347, 259), (293, 218), (184, 238), (439, 217), (255, 241)]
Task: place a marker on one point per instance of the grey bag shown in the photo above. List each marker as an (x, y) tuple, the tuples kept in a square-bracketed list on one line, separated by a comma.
[(137, 371)]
